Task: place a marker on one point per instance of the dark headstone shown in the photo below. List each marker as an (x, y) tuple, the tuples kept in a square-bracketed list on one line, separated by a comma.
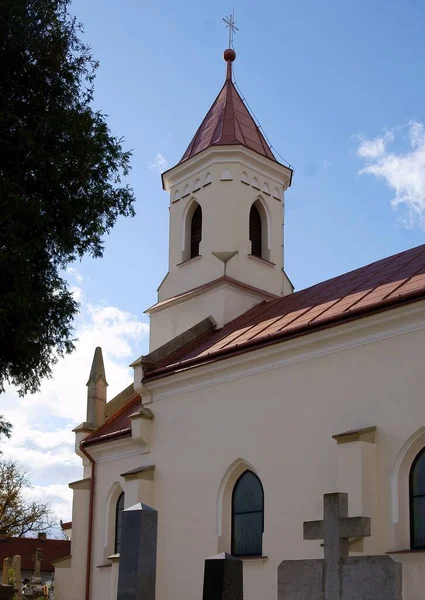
[(223, 578), (6, 592), (137, 571)]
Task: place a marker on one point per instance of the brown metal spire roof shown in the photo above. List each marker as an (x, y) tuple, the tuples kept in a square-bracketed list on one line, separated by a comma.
[(228, 122)]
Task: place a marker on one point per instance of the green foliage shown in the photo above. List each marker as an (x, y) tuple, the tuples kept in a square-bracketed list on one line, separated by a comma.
[(5, 427), (60, 182)]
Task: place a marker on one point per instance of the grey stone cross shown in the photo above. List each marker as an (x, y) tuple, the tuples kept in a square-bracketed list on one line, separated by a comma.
[(334, 530), (37, 563)]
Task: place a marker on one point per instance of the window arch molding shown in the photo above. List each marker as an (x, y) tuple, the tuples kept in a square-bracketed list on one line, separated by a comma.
[(110, 519), (259, 207), (191, 236)]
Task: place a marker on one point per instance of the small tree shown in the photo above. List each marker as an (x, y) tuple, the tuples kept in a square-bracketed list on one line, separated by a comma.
[(18, 515), (60, 182)]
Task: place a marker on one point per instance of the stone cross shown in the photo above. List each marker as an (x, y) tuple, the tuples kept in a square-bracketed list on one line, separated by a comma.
[(223, 578), (339, 576), (37, 563), (335, 529), (137, 570)]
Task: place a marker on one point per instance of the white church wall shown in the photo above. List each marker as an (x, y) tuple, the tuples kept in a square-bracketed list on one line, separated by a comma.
[(280, 421), (224, 303)]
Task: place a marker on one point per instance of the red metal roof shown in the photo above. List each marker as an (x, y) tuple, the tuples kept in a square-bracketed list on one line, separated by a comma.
[(118, 424), (380, 285), (228, 122), (51, 550)]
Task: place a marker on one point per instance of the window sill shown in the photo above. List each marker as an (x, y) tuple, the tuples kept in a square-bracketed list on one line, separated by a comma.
[(261, 260), (114, 557), (410, 551), (189, 260), (103, 566), (253, 558)]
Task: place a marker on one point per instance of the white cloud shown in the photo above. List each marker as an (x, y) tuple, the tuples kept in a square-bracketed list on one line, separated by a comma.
[(42, 440), (375, 147), (403, 171), (159, 163)]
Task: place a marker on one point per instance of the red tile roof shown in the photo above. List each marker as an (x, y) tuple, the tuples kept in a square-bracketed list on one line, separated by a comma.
[(228, 122), (378, 286), (51, 550), (118, 425)]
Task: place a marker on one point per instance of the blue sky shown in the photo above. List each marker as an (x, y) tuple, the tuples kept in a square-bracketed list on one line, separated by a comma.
[(339, 89)]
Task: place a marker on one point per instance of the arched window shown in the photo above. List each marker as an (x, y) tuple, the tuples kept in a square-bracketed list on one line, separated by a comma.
[(417, 501), (195, 232), (118, 522), (247, 516), (255, 231)]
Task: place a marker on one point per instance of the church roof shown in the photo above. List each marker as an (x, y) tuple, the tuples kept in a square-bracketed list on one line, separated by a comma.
[(51, 550), (378, 286), (228, 122), (118, 425)]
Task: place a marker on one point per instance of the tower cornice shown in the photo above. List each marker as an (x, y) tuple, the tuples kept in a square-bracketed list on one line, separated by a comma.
[(279, 172)]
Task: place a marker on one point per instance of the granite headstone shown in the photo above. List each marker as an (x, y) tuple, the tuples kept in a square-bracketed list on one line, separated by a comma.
[(223, 578), (137, 570)]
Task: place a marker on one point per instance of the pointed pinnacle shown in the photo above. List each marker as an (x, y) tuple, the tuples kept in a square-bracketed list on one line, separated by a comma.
[(97, 372)]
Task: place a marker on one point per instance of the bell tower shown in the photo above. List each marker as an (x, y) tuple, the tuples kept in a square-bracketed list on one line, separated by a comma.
[(226, 221)]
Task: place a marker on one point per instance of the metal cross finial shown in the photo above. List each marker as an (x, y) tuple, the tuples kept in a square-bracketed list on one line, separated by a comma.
[(231, 24)]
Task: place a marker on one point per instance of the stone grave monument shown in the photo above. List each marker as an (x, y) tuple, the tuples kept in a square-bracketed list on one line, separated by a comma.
[(137, 570), (34, 589), (338, 576), (6, 590), (223, 578)]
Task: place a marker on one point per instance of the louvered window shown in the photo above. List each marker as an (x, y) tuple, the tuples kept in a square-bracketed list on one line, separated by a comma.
[(195, 232), (255, 234)]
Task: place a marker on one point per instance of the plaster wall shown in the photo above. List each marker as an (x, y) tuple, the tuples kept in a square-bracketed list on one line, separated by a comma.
[(70, 581), (279, 421), (223, 303)]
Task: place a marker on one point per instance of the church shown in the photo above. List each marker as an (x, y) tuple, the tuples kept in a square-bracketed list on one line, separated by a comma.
[(254, 399)]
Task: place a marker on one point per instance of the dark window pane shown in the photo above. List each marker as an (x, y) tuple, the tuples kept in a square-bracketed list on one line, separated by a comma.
[(418, 506), (248, 494), (255, 233), (195, 232), (418, 476), (248, 533), (118, 522)]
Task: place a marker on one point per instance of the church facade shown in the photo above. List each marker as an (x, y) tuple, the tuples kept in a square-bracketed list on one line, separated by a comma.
[(254, 400)]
